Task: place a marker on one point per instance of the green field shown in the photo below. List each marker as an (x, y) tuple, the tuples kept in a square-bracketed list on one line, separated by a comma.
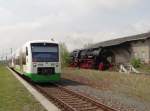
[(131, 85), (14, 96)]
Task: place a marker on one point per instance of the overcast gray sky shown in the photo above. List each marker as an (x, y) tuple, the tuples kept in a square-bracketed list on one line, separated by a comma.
[(75, 22)]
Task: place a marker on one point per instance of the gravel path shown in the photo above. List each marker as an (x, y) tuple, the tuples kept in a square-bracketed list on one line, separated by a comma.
[(119, 101)]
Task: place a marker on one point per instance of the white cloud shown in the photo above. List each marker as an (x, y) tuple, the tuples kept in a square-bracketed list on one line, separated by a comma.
[(141, 26), (5, 12), (114, 3), (42, 28), (75, 22)]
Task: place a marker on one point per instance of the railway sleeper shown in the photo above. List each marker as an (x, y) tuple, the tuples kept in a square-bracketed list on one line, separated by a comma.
[(74, 103), (71, 101), (81, 106), (78, 106), (93, 108), (63, 96)]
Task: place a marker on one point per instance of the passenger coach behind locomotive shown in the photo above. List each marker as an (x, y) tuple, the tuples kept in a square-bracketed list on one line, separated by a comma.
[(91, 59), (38, 60)]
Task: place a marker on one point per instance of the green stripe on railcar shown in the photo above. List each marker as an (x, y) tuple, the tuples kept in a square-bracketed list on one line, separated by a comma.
[(44, 78)]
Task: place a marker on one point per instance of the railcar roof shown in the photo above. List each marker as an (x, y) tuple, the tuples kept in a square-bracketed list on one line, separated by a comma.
[(41, 41)]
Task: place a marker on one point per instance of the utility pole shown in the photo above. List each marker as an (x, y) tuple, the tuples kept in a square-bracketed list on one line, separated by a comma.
[(3, 57), (6, 60), (11, 56), (11, 51)]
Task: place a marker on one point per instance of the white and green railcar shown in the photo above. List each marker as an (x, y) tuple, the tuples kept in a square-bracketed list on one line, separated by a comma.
[(39, 60)]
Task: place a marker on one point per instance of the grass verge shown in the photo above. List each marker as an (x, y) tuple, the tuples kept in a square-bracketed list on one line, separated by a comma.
[(144, 69), (14, 96)]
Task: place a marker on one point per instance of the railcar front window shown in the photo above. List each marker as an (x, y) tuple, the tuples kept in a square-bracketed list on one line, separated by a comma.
[(45, 52)]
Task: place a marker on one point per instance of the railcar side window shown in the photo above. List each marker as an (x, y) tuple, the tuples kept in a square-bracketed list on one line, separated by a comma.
[(17, 60), (26, 51), (24, 59)]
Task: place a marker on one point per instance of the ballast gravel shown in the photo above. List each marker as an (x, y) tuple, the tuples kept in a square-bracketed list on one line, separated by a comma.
[(117, 101)]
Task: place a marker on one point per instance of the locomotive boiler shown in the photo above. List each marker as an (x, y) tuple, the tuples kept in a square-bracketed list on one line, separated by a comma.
[(94, 58)]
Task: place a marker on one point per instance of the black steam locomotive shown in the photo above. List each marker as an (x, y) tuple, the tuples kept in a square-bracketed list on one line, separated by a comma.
[(97, 58)]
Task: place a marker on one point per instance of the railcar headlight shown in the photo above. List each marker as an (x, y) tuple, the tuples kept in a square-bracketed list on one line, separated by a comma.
[(52, 64), (34, 65)]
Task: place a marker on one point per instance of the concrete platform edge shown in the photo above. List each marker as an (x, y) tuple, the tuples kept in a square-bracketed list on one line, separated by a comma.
[(38, 96)]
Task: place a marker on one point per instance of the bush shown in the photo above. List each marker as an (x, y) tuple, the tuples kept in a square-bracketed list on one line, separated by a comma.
[(136, 62), (65, 58)]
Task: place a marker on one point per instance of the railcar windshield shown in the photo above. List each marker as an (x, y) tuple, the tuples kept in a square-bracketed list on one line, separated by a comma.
[(45, 52)]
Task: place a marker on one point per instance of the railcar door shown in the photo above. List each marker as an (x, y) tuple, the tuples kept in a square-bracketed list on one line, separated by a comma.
[(25, 59)]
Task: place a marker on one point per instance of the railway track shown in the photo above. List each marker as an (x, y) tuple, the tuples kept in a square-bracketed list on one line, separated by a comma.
[(68, 100), (72, 101)]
